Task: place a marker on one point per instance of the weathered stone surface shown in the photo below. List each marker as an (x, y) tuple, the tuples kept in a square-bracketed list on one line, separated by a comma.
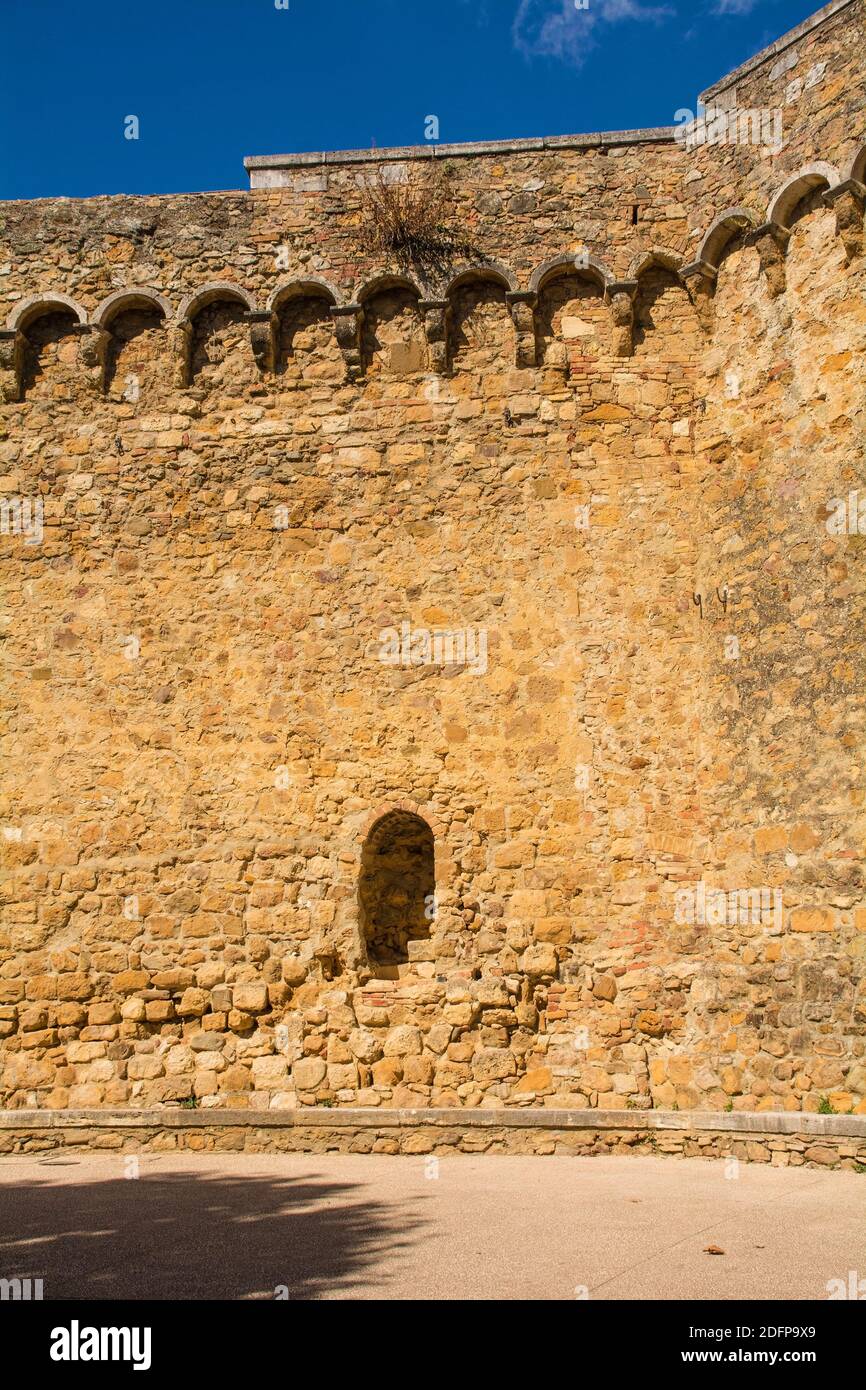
[(402, 1041), (444, 693), (250, 998), (308, 1073)]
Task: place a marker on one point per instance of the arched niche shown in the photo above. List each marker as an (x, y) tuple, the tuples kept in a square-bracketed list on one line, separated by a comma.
[(136, 352), (572, 321), (481, 331), (221, 354), (50, 369), (395, 888), (666, 323), (306, 343), (393, 341)]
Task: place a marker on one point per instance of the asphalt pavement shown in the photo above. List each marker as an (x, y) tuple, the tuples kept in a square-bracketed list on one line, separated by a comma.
[(365, 1227)]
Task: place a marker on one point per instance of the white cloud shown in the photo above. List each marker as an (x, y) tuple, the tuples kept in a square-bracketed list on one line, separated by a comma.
[(557, 29), (735, 6)]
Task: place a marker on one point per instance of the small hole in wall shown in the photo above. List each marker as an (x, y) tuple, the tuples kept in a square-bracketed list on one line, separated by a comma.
[(634, 214)]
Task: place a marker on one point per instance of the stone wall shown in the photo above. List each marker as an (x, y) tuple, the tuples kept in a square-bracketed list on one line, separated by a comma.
[(583, 480), (782, 1140)]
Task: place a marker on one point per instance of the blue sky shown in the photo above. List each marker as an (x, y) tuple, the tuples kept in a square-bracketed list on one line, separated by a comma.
[(213, 80)]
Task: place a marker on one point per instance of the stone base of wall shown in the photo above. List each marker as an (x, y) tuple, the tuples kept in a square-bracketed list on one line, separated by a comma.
[(835, 1141)]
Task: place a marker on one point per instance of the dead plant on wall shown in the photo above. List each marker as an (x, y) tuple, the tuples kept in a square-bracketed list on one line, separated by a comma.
[(410, 215)]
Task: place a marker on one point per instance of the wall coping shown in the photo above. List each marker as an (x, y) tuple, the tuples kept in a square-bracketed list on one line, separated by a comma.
[(467, 149), (767, 1122), (264, 170), (814, 21)]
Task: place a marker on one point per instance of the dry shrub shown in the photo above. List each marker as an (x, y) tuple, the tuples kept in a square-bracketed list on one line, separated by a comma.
[(413, 220)]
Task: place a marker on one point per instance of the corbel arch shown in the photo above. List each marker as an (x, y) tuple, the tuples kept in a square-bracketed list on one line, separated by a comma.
[(494, 272), (799, 186), (589, 266), (37, 305), (133, 297), (383, 281), (210, 294), (654, 257), (729, 223), (311, 287)]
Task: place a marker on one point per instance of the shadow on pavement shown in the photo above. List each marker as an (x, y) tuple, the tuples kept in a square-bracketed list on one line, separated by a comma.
[(185, 1235)]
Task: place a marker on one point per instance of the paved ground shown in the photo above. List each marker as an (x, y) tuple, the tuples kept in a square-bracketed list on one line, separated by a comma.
[(342, 1227)]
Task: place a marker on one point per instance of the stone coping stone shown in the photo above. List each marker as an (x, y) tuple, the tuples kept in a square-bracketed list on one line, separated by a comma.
[(603, 138), (813, 21), (469, 148), (767, 1122)]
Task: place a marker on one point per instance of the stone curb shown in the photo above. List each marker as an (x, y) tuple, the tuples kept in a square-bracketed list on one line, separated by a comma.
[(352, 1117)]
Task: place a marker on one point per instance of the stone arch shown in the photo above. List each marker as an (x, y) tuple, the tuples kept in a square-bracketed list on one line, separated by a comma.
[(730, 223), (493, 271), (857, 167), (49, 353), (386, 280), (306, 343), (396, 883), (480, 327), (135, 297), (220, 350), (311, 287), (38, 305), (393, 341), (799, 186), (654, 256), (557, 266), (216, 290), (572, 319), (135, 358)]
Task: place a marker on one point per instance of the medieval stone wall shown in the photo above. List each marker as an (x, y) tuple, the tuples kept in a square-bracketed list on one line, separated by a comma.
[(586, 498)]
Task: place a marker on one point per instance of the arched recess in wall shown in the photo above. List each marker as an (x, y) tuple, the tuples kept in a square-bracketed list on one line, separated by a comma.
[(815, 254), (306, 344), (393, 342), (572, 321), (480, 328), (725, 234), (742, 310), (220, 350), (49, 326), (137, 358), (813, 244), (857, 166), (395, 888), (666, 324), (811, 179)]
